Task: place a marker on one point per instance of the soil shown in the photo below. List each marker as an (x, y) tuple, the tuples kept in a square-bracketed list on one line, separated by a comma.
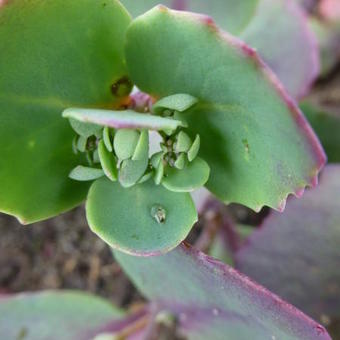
[(61, 253)]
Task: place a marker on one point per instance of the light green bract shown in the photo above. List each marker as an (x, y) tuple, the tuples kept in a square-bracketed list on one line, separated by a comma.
[(143, 220), (256, 141), (53, 55), (126, 119), (191, 177)]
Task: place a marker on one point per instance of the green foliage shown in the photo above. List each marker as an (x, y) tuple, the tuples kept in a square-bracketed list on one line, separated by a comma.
[(222, 120), (255, 140), (145, 219), (53, 55)]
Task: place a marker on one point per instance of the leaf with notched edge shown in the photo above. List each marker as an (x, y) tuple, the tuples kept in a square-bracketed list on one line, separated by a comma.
[(296, 254), (256, 141)]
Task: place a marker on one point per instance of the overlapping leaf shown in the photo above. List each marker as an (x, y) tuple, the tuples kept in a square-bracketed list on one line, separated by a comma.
[(53, 55), (255, 140), (277, 29), (55, 315), (296, 255), (213, 301)]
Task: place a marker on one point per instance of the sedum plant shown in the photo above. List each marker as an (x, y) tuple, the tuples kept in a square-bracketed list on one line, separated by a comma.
[(211, 113), (135, 115)]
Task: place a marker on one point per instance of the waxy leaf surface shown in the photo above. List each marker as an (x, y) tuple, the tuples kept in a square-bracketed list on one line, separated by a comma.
[(213, 301), (256, 141), (53, 55), (54, 315), (125, 218), (296, 254), (278, 29)]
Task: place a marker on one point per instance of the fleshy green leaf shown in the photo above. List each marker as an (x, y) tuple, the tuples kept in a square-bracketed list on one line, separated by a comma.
[(125, 142), (289, 46), (296, 254), (125, 219), (107, 161), (84, 129), (54, 315), (53, 55), (183, 142), (83, 173), (327, 126), (107, 138), (213, 301), (126, 119), (194, 149), (192, 177), (131, 171), (142, 147), (256, 141), (178, 102)]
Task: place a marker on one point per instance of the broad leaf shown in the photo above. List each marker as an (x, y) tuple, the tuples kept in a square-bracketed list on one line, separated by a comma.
[(53, 55), (296, 255), (327, 126), (213, 301), (54, 315), (256, 141), (145, 219), (278, 29)]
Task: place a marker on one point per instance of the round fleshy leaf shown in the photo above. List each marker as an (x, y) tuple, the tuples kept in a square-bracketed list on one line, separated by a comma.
[(192, 177), (84, 129), (85, 174), (132, 171), (177, 102), (126, 119), (125, 142), (53, 55), (107, 161), (256, 141), (146, 231)]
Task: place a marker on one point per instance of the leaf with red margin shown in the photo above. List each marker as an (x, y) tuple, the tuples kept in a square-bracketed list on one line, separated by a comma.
[(213, 301), (277, 29), (297, 254), (256, 141)]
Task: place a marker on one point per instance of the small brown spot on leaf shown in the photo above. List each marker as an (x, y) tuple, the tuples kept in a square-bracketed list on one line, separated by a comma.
[(121, 87)]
